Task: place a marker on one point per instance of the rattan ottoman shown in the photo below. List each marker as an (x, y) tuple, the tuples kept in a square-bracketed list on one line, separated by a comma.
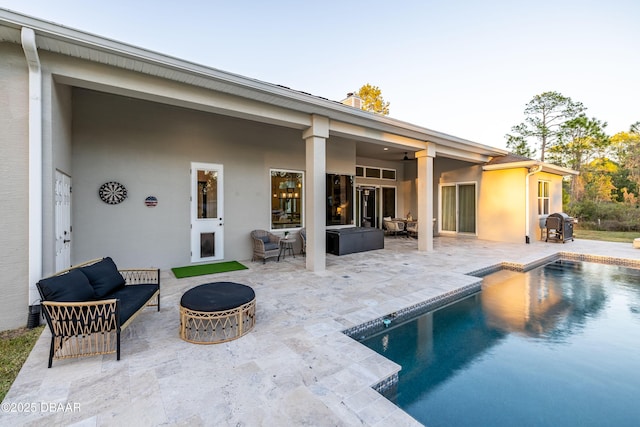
[(217, 312)]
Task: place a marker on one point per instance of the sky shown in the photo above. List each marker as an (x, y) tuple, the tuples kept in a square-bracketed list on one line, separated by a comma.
[(465, 68)]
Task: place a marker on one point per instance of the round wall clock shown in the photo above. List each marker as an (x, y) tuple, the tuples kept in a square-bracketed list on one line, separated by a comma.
[(112, 192)]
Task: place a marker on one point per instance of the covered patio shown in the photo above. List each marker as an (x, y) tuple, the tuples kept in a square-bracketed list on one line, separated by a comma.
[(296, 367)]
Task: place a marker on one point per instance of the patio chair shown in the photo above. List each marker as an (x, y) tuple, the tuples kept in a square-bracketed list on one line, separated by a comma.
[(303, 240), (412, 229), (265, 245), (394, 227)]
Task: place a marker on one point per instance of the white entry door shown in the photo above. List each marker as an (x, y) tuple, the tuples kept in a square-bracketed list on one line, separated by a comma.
[(63, 220), (207, 225)]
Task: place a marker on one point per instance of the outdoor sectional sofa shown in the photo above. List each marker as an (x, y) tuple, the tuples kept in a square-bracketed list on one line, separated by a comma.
[(88, 305)]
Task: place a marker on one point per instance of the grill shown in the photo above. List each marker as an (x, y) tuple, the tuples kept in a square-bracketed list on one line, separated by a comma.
[(559, 227)]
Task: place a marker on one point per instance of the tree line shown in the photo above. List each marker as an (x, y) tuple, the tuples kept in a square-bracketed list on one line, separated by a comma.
[(557, 130)]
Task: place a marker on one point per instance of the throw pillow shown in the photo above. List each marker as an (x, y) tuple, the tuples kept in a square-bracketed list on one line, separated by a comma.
[(73, 286), (104, 277)]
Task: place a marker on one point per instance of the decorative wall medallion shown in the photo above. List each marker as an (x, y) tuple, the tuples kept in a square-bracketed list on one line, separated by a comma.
[(151, 201), (112, 192)]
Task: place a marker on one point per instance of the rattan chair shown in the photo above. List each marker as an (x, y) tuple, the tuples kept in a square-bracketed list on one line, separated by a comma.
[(394, 227), (265, 245)]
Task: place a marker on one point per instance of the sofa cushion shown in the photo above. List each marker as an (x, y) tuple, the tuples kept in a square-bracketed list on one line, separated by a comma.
[(132, 298), (73, 286), (270, 246), (104, 277), (265, 239)]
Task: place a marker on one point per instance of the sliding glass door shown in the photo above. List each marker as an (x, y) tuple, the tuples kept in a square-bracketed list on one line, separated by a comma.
[(458, 208)]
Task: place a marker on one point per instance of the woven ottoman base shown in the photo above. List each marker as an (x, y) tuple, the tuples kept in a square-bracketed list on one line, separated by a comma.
[(207, 318)]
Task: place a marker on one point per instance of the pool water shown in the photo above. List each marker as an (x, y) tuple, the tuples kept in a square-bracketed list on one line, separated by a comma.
[(556, 346)]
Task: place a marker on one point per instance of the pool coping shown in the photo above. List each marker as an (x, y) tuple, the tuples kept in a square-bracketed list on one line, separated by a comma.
[(372, 327)]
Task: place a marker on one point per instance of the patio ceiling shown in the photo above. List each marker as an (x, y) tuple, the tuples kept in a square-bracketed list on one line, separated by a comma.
[(382, 152)]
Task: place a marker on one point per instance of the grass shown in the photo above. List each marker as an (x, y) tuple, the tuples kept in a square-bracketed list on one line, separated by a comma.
[(202, 269), (15, 346), (607, 236)]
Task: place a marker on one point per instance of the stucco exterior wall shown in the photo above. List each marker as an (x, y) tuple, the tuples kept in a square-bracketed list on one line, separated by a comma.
[(501, 206), (555, 199), (148, 147), (61, 131), (340, 157), (14, 187)]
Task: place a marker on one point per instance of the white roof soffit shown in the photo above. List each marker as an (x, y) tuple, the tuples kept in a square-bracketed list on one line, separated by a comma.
[(67, 41), (546, 167)]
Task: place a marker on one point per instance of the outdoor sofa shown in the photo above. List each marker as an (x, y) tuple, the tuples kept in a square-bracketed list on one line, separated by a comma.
[(88, 305)]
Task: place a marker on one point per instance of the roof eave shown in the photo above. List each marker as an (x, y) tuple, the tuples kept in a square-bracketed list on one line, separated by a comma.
[(54, 37), (529, 164)]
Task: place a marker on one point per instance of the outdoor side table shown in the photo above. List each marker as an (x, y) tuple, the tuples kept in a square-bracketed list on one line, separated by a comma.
[(217, 312), (286, 245)]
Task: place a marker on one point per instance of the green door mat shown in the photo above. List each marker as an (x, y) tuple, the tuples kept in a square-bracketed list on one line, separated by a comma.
[(199, 270)]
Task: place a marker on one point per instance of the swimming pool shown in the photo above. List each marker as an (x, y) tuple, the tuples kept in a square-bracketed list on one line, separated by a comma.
[(556, 346)]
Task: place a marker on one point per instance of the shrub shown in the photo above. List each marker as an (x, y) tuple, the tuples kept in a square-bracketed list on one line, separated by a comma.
[(607, 216)]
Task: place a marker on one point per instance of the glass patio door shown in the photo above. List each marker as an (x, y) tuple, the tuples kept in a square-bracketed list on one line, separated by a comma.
[(368, 201), (207, 226), (458, 207)]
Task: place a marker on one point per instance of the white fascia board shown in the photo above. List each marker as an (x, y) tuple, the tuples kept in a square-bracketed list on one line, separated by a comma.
[(558, 170), (528, 164), (513, 165)]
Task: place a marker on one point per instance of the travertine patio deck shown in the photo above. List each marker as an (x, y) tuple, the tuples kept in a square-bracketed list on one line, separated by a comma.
[(294, 368)]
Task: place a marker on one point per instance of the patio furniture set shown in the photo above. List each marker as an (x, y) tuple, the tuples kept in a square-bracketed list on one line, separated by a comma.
[(339, 242), (396, 226), (268, 245), (89, 305)]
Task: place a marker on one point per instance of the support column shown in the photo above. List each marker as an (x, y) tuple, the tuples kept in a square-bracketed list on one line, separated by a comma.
[(425, 198), (315, 192)]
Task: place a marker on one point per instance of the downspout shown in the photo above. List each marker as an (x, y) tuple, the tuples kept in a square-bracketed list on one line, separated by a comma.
[(35, 165), (527, 216)]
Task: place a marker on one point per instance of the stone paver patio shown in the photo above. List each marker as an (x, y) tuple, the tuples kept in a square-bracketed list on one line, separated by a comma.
[(296, 367)]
